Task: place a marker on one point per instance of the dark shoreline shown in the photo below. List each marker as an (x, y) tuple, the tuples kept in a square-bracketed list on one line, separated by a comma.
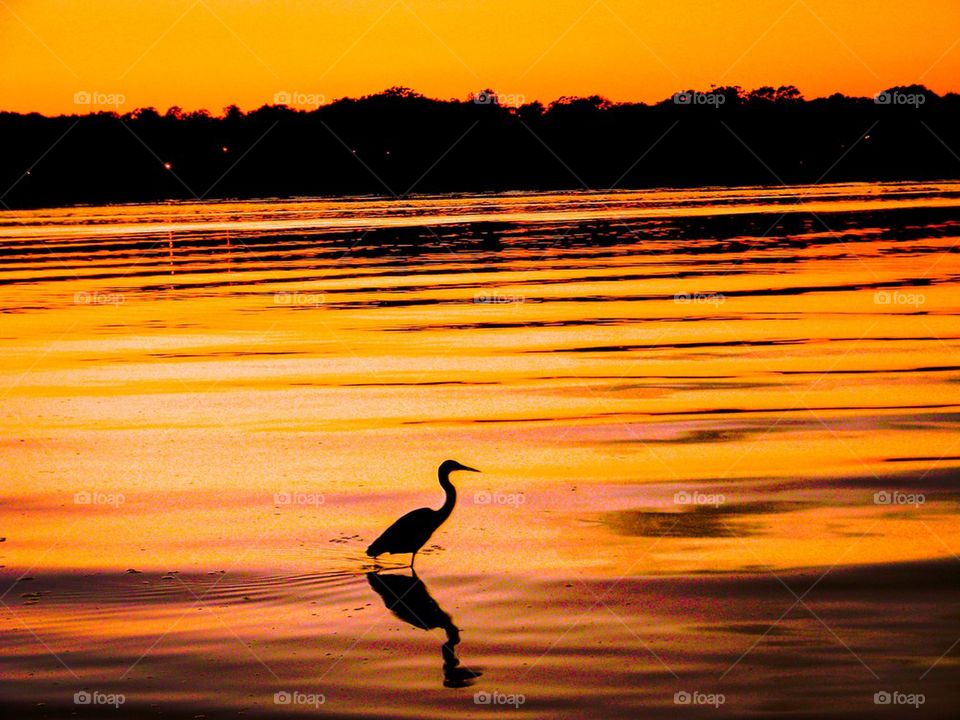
[(398, 143)]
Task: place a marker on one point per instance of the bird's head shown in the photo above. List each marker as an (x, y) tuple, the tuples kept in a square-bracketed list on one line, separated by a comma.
[(449, 466)]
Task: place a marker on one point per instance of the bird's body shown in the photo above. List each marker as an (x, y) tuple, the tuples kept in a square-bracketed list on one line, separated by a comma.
[(412, 531), (408, 534)]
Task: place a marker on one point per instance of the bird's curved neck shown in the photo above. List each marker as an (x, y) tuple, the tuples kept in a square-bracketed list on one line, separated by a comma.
[(451, 498)]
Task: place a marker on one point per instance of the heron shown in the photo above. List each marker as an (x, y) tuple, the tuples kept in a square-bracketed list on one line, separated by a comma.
[(411, 532)]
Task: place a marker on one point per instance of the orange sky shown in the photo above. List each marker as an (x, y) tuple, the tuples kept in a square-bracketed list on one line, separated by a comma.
[(210, 53)]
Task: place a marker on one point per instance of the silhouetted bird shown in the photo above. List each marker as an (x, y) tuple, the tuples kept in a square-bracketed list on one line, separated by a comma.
[(411, 532)]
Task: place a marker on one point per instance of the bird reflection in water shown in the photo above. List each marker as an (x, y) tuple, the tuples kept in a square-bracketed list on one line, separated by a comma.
[(407, 597)]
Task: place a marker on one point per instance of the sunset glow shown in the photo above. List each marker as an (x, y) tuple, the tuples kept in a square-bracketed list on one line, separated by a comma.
[(479, 359), (212, 53)]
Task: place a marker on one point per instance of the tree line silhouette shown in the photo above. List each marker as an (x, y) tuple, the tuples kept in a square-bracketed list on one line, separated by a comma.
[(399, 141)]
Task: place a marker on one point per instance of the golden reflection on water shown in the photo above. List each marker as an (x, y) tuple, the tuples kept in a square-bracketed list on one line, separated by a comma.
[(684, 403), (590, 360)]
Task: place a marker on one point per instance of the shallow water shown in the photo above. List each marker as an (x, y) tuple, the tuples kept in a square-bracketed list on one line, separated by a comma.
[(687, 406)]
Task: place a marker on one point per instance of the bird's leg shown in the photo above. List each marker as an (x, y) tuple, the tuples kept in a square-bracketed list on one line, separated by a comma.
[(413, 559)]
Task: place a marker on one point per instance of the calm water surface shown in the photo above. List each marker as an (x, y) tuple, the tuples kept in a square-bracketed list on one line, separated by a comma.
[(717, 430)]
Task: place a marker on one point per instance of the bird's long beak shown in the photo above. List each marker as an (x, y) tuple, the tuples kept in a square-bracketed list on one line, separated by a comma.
[(468, 469)]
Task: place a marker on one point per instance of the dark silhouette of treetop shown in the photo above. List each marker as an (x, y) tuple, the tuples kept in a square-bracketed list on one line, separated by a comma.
[(391, 141)]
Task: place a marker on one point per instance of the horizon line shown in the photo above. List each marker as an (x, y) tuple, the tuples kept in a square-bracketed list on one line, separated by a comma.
[(110, 103)]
